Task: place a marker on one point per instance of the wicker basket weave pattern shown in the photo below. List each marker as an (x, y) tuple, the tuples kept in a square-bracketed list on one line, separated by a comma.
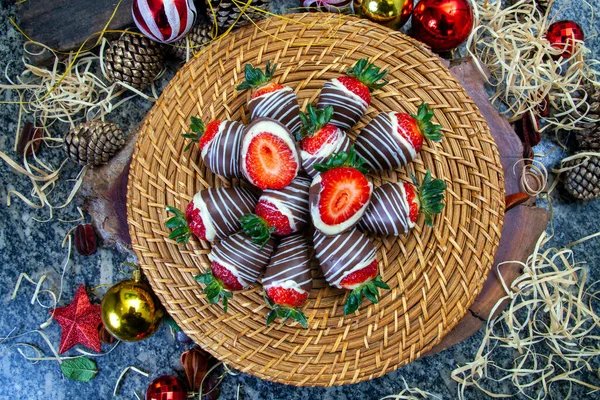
[(434, 274)]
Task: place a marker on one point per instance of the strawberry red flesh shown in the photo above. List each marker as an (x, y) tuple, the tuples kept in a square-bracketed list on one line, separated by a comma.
[(409, 129), (344, 191), (268, 88), (411, 196), (356, 87), (270, 163), (227, 279), (286, 296), (361, 276), (313, 144), (267, 211), (211, 130), (194, 220)]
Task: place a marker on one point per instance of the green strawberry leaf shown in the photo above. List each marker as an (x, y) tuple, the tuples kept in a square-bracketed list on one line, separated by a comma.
[(380, 283), (79, 369), (370, 292), (352, 302), (271, 316)]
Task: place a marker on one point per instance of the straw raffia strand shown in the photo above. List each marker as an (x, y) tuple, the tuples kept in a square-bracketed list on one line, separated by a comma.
[(510, 42), (434, 274)]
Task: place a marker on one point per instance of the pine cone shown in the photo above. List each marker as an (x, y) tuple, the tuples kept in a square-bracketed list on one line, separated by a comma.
[(227, 12), (200, 35), (134, 60), (94, 142), (583, 181), (587, 138)]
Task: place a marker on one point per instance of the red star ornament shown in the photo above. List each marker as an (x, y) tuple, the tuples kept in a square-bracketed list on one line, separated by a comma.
[(79, 322)]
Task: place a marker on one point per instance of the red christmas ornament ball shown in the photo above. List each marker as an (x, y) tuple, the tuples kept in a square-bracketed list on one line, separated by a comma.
[(564, 35), (442, 24), (164, 21), (166, 387)]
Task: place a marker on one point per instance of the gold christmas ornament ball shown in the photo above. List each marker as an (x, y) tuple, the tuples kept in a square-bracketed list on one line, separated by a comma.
[(391, 13), (131, 311)]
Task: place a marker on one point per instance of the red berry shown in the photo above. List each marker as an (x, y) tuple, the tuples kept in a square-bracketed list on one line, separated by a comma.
[(209, 133), (270, 163), (227, 279), (194, 220), (356, 87), (286, 296), (344, 191), (361, 276), (312, 144), (409, 129), (274, 218), (411, 196), (270, 87)]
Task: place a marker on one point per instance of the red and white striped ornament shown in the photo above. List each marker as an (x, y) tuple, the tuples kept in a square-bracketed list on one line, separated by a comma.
[(164, 21)]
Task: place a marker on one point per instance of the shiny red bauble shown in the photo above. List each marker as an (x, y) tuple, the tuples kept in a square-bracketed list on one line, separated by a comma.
[(565, 35), (166, 387), (443, 25), (164, 21)]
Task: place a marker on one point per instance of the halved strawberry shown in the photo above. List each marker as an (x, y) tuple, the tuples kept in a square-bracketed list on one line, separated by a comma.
[(201, 134), (339, 196), (363, 78), (288, 297), (415, 128), (344, 192), (274, 218)]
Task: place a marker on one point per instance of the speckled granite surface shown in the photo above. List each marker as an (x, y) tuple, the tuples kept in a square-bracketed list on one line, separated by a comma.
[(32, 247)]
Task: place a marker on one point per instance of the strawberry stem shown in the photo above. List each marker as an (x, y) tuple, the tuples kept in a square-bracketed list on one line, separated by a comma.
[(368, 74), (367, 289), (429, 130), (342, 159), (214, 289), (257, 228), (431, 195), (314, 120), (181, 231), (198, 129), (255, 78)]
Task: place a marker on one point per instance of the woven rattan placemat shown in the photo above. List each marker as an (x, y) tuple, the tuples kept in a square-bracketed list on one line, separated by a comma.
[(434, 274)]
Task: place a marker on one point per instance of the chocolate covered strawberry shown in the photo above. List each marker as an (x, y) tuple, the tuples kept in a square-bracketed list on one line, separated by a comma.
[(279, 212), (288, 281), (350, 94), (269, 156), (236, 263), (339, 196), (319, 139), (391, 140), (212, 214), (270, 99), (395, 207), (219, 143), (349, 261)]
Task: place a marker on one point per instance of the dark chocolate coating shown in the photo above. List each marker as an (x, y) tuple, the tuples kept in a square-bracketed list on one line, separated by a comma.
[(338, 254), (248, 259), (309, 161), (281, 105), (388, 213), (380, 147), (290, 262), (223, 152), (347, 109), (226, 206), (294, 198)]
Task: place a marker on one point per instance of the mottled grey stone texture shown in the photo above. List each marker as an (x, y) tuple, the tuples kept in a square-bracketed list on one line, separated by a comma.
[(32, 247)]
